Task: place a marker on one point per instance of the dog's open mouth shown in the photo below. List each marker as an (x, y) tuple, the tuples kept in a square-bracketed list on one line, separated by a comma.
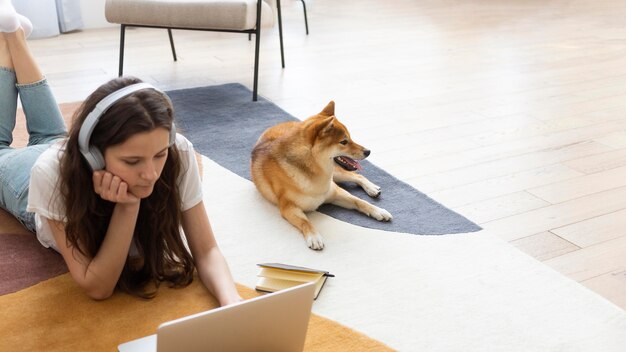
[(348, 163)]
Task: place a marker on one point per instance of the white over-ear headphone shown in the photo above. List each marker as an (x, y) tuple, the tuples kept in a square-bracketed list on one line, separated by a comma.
[(92, 154)]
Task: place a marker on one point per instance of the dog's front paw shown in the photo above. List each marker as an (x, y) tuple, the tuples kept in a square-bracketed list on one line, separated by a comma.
[(381, 214), (372, 190), (315, 241)]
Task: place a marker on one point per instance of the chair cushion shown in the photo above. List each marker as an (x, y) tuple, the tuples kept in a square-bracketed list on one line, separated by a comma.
[(192, 14)]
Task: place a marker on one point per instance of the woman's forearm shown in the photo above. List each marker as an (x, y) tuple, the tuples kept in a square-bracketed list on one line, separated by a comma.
[(215, 275), (210, 262), (104, 270)]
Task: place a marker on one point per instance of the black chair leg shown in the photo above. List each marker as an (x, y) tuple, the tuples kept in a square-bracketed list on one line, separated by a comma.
[(280, 33), (169, 32), (306, 21), (256, 51), (121, 66)]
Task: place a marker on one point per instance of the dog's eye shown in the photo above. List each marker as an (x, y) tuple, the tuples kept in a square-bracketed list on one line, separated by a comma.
[(344, 142)]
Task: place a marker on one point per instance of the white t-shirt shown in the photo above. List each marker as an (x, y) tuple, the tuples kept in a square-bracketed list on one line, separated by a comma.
[(44, 199)]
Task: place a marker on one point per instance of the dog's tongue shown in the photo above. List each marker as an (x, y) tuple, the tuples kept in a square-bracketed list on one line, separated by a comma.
[(356, 164), (348, 163)]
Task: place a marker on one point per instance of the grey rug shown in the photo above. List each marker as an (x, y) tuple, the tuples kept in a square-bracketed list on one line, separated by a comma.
[(224, 123)]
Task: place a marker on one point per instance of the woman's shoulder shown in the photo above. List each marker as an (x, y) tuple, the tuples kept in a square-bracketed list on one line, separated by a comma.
[(182, 143)]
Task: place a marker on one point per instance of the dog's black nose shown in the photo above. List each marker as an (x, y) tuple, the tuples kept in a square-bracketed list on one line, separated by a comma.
[(366, 152)]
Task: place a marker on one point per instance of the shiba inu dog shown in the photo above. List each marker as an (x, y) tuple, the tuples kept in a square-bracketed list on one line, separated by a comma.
[(295, 166)]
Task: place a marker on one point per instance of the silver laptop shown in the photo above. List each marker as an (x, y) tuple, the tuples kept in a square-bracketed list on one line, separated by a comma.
[(272, 322)]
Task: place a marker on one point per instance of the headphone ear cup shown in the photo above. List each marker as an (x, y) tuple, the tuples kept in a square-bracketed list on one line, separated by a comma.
[(97, 159), (173, 134)]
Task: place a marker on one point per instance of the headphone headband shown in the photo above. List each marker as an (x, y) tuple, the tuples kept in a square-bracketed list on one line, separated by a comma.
[(92, 155)]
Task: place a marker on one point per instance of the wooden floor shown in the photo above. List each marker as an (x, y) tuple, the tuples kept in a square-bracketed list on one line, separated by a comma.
[(511, 112)]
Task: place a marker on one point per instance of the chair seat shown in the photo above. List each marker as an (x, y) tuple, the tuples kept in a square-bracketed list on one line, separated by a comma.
[(192, 14)]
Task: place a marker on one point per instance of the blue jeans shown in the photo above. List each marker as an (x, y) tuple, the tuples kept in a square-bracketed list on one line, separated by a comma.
[(45, 125)]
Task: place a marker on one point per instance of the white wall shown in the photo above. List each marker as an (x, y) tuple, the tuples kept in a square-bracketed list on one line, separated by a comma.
[(93, 14)]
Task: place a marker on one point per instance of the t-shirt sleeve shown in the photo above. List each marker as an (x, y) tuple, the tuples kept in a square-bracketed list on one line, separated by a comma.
[(189, 182), (43, 191)]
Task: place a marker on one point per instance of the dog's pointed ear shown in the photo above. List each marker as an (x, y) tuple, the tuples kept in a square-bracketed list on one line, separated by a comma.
[(327, 125), (320, 127), (329, 110)]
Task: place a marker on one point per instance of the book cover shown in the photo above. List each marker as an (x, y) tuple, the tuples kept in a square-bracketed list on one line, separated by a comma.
[(276, 276)]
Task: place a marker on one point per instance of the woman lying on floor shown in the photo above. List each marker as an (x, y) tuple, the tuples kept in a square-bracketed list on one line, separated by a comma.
[(112, 196)]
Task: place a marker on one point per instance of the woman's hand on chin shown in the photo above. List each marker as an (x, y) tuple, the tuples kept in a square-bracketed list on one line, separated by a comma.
[(111, 188)]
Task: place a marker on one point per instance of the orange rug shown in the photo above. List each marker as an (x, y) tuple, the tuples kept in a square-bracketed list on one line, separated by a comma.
[(56, 315)]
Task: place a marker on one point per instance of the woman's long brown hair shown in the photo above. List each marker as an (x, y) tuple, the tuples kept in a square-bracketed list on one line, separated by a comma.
[(162, 253)]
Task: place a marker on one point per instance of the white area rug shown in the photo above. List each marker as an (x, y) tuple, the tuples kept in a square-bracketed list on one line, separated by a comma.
[(457, 292)]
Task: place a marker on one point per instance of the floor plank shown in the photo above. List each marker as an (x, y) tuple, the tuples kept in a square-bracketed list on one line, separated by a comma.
[(607, 257), (595, 230), (558, 215), (501, 207), (581, 186), (611, 285), (544, 246)]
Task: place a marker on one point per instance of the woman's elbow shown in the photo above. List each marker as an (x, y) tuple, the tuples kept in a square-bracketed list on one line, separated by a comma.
[(99, 293)]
